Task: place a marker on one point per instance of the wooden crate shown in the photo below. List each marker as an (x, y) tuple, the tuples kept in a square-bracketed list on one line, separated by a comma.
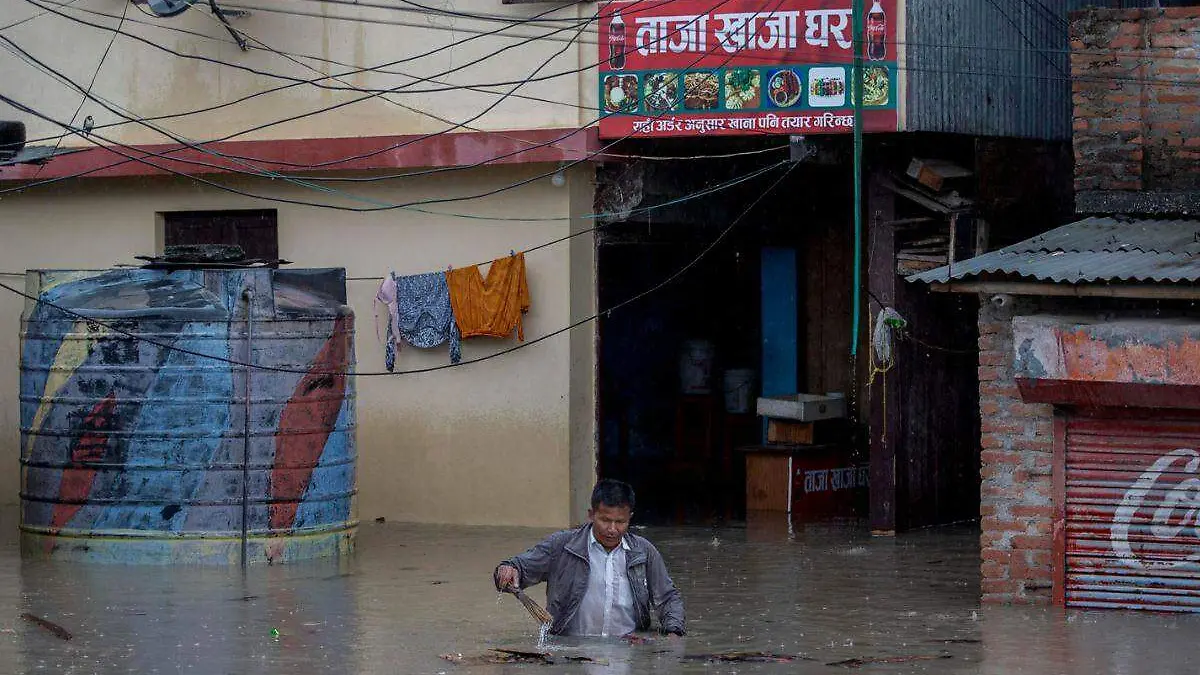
[(789, 432)]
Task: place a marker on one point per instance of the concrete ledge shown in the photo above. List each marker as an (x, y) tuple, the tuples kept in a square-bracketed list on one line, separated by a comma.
[(1141, 351)]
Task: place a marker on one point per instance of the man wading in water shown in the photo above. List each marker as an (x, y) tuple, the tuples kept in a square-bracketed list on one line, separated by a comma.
[(600, 579)]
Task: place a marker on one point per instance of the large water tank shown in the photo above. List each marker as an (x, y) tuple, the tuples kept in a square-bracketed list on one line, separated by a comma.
[(137, 447)]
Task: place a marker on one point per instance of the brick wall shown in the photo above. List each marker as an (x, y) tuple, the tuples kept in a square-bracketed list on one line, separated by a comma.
[(1015, 468), (1136, 90)]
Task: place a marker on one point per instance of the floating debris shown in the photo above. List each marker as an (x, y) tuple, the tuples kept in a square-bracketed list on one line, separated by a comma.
[(497, 656), (871, 660), (744, 657), (956, 641), (55, 629)]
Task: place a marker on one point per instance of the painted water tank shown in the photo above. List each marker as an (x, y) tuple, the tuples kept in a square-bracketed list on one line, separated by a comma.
[(139, 443)]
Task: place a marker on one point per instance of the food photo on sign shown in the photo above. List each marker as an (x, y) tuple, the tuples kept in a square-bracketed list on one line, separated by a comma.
[(743, 89), (784, 88)]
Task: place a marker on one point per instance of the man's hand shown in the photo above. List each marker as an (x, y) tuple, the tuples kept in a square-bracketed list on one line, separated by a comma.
[(508, 578)]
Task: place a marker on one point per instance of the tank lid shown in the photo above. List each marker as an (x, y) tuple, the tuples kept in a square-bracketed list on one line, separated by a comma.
[(205, 256)]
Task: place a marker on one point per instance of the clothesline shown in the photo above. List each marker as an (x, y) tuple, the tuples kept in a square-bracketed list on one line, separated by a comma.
[(435, 308)]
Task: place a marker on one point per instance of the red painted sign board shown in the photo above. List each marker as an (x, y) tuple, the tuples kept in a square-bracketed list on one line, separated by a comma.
[(743, 67)]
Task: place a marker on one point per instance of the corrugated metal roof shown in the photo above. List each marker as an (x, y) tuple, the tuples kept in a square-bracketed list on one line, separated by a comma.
[(1093, 249)]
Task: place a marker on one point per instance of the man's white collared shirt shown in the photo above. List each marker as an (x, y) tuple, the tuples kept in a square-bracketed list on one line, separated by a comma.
[(607, 607)]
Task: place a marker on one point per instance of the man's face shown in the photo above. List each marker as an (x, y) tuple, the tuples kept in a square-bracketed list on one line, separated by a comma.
[(610, 523)]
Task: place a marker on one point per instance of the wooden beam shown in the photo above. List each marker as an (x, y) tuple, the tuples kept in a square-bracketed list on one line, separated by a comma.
[(1058, 525), (1142, 291)]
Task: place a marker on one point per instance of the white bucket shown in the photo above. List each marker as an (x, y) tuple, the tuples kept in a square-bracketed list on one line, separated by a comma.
[(739, 390), (695, 367)]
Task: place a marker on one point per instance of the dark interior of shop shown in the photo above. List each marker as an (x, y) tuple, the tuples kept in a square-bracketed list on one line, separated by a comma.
[(767, 307)]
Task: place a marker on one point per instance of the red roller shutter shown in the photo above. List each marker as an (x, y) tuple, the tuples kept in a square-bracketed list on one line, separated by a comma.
[(1132, 511)]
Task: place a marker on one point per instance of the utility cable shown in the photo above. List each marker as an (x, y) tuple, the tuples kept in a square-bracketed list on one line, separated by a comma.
[(333, 107), (91, 85), (1000, 75), (704, 192), (144, 154), (116, 329)]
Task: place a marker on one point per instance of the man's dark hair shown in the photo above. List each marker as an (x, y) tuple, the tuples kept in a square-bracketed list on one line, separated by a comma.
[(611, 492)]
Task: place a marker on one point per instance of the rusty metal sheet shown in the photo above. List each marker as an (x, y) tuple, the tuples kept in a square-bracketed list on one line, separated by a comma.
[(1133, 512)]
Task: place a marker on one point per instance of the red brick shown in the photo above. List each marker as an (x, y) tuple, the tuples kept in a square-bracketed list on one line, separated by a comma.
[(1181, 12), (996, 555), (997, 586), (994, 524), (989, 343), (991, 425), (993, 358), (1005, 389), (1125, 42), (992, 373), (1027, 511), (1019, 570), (1172, 41), (1000, 457), (1174, 97), (993, 570), (992, 491), (990, 541), (1038, 445), (1040, 558), (1031, 541), (1041, 528)]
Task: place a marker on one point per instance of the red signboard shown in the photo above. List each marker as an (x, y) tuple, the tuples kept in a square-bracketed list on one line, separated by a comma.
[(729, 67)]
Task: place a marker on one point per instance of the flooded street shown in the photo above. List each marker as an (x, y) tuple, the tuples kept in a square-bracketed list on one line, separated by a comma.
[(824, 594)]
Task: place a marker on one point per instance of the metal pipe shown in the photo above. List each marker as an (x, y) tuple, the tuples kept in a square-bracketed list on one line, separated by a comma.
[(856, 297), (248, 294)]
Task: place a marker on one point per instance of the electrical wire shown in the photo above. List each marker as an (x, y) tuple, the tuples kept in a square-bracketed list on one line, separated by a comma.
[(672, 202), (91, 85), (703, 192), (450, 87), (332, 107), (116, 329), (35, 16), (1028, 41), (452, 124), (381, 206)]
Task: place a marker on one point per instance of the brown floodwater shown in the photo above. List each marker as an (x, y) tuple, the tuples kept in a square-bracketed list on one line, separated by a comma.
[(821, 594)]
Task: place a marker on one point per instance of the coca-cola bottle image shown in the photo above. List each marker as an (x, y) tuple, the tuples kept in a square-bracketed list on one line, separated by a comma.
[(876, 33), (616, 42)]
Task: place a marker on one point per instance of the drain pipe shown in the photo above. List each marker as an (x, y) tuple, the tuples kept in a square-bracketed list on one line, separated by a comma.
[(248, 294)]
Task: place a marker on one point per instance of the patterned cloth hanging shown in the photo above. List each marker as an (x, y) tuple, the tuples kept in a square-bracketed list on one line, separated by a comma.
[(425, 318)]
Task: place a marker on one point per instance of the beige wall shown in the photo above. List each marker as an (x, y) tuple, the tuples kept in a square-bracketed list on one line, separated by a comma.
[(148, 82), (499, 442)]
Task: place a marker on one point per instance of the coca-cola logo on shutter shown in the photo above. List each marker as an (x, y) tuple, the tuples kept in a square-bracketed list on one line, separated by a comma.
[(1175, 512)]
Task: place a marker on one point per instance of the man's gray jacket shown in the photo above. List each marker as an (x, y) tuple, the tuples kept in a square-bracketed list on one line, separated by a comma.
[(561, 560)]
